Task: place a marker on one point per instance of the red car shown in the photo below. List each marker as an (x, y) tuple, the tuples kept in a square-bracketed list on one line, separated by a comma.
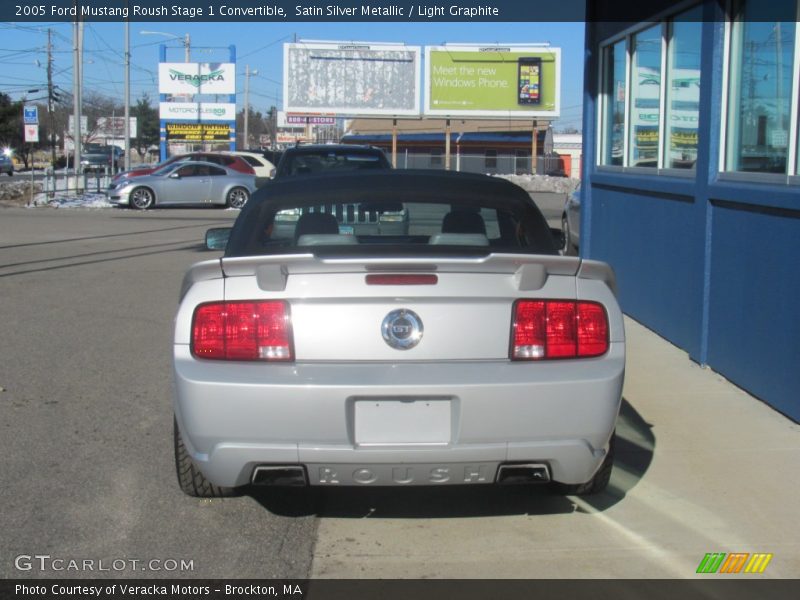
[(237, 163)]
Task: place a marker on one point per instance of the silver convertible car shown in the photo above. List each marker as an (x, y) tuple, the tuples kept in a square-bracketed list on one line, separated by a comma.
[(330, 347), (194, 183)]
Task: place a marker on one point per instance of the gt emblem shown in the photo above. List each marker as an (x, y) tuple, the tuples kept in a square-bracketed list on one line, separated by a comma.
[(402, 329)]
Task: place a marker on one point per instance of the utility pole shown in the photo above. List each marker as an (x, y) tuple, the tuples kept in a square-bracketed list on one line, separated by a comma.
[(50, 98), (245, 144)]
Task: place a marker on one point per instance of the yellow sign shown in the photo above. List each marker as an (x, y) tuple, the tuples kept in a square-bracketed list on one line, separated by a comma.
[(198, 132)]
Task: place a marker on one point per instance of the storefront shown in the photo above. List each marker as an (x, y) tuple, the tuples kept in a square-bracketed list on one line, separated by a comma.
[(692, 181)]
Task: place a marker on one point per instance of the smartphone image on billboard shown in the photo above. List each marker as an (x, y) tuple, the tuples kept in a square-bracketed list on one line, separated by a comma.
[(529, 80)]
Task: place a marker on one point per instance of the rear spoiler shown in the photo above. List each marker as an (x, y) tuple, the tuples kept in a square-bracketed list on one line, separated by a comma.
[(530, 272)]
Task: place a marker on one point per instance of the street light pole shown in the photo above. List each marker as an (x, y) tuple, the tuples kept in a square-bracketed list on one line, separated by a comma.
[(185, 40), (77, 82), (247, 74)]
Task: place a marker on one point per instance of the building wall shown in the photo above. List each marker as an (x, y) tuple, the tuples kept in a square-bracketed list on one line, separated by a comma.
[(705, 258)]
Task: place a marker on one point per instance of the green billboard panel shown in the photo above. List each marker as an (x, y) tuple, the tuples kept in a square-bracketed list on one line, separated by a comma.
[(492, 81)]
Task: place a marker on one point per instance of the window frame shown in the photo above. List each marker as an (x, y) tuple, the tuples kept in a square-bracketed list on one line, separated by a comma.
[(733, 33), (629, 99), (664, 21), (794, 117), (605, 99), (669, 37)]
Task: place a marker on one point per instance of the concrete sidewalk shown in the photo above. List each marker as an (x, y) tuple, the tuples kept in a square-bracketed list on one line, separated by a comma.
[(701, 467), (723, 470)]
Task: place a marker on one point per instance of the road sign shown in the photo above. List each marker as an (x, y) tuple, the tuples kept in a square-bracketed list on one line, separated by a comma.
[(32, 133), (310, 120), (30, 114), (84, 124)]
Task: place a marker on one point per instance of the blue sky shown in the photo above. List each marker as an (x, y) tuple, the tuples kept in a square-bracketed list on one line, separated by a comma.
[(259, 45)]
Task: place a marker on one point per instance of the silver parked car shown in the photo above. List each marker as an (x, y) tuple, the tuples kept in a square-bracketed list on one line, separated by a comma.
[(448, 343), (184, 183), (571, 223)]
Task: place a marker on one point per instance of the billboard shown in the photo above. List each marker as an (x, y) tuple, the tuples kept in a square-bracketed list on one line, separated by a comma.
[(193, 111), (351, 79), (492, 81), (114, 127), (196, 78), (84, 125)]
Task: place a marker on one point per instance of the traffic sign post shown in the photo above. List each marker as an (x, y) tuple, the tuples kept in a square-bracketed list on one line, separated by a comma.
[(30, 118), (30, 114)]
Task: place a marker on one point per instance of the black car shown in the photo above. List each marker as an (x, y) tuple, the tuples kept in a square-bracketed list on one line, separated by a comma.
[(99, 157), (318, 158)]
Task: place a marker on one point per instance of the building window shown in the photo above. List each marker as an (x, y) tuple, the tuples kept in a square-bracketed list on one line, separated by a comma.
[(760, 88), (683, 90), (436, 157), (490, 160), (645, 107), (615, 93)]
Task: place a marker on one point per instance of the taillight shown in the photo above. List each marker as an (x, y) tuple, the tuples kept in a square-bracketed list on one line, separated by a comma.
[(547, 329), (247, 330)]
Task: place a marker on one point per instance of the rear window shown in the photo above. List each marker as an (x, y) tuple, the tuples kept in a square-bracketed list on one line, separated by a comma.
[(361, 220), (306, 163), (253, 161)]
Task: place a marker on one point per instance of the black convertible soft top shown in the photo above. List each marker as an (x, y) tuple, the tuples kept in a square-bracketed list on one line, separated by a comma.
[(393, 188)]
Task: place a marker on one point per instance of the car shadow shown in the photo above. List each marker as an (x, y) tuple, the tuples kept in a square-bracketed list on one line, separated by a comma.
[(633, 455)]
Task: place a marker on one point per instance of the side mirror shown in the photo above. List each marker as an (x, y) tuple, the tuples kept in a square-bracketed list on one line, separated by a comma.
[(217, 238)]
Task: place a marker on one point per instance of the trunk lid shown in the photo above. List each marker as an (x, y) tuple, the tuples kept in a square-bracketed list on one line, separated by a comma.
[(465, 315)]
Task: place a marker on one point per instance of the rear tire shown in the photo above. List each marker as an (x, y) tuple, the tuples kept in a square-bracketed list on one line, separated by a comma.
[(142, 198), (237, 197), (191, 481), (596, 484)]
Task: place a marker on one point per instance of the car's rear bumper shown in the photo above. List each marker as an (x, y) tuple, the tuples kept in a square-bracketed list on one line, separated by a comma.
[(237, 416)]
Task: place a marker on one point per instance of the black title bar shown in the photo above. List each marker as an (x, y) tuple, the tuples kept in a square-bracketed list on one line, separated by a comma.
[(742, 588), (416, 11)]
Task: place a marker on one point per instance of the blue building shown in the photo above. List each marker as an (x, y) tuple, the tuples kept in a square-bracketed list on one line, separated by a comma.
[(692, 180)]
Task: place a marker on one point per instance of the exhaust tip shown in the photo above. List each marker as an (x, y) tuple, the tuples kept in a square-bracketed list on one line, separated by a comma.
[(280, 475), (523, 474)]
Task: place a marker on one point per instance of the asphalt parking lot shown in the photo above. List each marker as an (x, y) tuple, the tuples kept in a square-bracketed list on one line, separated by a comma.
[(88, 299)]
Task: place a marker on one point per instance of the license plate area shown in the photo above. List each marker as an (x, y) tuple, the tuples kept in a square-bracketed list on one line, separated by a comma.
[(402, 421)]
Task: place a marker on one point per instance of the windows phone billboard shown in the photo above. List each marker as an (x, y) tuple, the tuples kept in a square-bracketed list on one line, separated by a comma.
[(492, 81)]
